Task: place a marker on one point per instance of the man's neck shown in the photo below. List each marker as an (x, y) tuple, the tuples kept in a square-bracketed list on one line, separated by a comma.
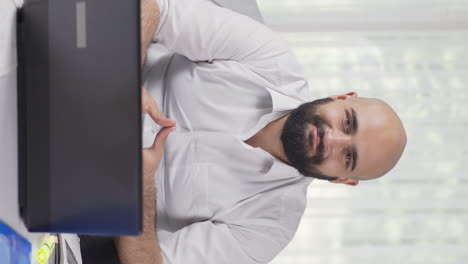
[(269, 138)]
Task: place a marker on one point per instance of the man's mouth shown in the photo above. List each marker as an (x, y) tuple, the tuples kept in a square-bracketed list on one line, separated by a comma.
[(316, 140), (313, 140)]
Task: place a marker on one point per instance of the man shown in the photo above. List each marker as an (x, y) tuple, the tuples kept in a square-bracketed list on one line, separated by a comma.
[(231, 185)]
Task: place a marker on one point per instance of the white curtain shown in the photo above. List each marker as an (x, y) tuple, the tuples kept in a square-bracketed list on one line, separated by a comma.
[(414, 55)]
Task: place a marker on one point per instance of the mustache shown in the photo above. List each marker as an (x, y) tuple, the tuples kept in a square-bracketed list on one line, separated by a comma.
[(319, 123)]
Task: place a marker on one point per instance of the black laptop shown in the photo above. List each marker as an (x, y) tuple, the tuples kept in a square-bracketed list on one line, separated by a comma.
[(79, 116)]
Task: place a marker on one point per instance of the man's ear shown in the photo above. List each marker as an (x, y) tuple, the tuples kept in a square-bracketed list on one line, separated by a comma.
[(347, 181), (344, 96)]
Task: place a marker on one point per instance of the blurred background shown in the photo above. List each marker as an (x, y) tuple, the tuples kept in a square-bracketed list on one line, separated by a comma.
[(414, 55)]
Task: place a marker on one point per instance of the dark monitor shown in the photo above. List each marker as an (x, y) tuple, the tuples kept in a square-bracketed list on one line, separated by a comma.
[(79, 116)]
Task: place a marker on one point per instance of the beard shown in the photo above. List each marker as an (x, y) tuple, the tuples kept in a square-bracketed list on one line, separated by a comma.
[(293, 138)]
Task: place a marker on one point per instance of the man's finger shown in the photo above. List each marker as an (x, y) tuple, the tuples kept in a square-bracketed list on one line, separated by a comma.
[(160, 119), (161, 138), (158, 116), (149, 106)]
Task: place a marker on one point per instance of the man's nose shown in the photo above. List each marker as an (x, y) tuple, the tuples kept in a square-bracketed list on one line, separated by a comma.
[(335, 141)]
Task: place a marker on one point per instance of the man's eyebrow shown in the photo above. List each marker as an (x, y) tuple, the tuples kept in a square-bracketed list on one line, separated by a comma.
[(355, 129), (355, 159), (355, 121)]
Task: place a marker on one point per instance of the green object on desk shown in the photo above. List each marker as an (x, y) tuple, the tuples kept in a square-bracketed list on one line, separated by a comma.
[(46, 249)]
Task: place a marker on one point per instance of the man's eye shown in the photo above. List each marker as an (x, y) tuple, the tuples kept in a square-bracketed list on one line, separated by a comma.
[(348, 158), (348, 122)]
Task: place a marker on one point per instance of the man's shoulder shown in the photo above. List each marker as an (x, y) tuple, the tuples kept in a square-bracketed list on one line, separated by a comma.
[(271, 221), (245, 7)]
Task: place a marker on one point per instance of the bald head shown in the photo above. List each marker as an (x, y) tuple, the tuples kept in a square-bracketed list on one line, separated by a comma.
[(347, 138), (381, 137)]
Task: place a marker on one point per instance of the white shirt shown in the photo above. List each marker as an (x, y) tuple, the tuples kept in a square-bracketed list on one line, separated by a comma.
[(220, 200)]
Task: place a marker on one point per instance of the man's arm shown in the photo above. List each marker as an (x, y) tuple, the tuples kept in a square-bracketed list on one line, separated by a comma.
[(149, 21), (144, 249), (203, 31)]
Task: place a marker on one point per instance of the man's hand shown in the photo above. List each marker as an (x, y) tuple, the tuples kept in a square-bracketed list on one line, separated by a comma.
[(152, 155)]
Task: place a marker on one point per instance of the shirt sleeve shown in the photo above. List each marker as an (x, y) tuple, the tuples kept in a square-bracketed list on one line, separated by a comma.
[(203, 31), (204, 243)]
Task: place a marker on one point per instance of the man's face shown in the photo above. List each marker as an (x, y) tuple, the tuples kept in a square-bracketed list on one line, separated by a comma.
[(349, 137)]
